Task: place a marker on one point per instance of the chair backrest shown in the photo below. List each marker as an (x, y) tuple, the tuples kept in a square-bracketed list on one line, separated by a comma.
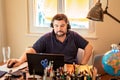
[(98, 63), (80, 55)]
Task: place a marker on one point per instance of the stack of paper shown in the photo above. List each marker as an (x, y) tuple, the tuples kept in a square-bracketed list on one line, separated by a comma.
[(5, 68)]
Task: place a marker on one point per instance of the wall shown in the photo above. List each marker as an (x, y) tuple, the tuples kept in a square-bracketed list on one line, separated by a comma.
[(17, 23), (2, 28)]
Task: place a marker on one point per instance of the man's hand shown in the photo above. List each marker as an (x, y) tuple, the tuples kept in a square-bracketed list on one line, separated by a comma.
[(13, 63)]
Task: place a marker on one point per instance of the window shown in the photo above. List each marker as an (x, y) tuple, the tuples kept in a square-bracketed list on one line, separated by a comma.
[(42, 11), (76, 10)]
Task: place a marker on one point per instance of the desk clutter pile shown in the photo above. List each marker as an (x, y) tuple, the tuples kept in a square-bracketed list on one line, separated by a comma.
[(70, 72)]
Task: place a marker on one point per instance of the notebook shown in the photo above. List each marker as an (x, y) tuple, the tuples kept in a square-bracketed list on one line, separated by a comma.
[(38, 62)]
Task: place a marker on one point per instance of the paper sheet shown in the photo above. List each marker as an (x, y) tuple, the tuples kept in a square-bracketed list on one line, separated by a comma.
[(4, 67)]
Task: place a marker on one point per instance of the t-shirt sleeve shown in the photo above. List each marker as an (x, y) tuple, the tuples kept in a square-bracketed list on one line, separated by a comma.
[(39, 45), (80, 42)]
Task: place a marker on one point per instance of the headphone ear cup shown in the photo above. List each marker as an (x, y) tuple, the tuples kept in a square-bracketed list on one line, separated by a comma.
[(68, 26), (51, 25)]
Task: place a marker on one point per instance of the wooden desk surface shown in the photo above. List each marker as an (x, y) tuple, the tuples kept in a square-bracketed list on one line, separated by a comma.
[(109, 77), (1, 63)]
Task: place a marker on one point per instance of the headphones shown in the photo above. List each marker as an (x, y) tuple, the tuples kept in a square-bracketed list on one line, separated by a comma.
[(60, 17)]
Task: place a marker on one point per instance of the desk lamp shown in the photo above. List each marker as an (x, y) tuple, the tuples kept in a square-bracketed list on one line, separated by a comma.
[(96, 13)]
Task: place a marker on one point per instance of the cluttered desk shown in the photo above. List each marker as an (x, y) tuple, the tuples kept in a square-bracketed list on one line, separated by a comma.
[(29, 71), (22, 73)]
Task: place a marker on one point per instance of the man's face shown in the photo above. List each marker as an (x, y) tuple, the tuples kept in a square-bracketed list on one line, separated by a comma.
[(60, 28)]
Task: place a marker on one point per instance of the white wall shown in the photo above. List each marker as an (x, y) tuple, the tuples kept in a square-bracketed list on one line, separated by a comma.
[(16, 22)]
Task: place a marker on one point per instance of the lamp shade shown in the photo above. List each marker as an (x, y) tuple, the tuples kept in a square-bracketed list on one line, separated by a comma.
[(96, 13)]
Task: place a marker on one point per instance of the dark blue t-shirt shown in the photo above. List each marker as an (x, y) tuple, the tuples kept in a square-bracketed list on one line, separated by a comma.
[(49, 44)]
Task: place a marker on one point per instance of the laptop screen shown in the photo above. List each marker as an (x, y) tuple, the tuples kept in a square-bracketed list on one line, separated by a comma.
[(38, 62)]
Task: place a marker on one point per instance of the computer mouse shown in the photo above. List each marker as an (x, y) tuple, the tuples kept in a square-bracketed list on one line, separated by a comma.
[(10, 65)]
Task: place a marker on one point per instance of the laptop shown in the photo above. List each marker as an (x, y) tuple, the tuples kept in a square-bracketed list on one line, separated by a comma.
[(38, 62)]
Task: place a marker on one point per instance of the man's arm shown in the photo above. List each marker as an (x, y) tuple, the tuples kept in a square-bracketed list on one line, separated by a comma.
[(22, 59), (87, 53)]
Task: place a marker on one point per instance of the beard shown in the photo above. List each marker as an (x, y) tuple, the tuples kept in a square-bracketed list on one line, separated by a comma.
[(60, 33)]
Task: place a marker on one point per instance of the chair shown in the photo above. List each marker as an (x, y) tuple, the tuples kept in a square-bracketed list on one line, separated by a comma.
[(98, 64), (80, 55)]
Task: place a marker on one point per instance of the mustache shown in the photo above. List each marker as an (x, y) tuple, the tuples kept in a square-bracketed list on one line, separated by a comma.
[(60, 31)]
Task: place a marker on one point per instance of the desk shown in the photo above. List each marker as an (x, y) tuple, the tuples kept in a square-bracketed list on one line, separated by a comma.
[(104, 77), (1, 63), (109, 77)]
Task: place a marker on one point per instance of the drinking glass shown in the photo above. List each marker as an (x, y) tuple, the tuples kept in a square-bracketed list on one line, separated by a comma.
[(6, 53)]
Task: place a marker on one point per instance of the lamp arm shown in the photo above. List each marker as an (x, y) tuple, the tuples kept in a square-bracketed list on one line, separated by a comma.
[(105, 12)]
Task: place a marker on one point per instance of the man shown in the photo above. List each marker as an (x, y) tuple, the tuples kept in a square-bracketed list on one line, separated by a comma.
[(61, 41)]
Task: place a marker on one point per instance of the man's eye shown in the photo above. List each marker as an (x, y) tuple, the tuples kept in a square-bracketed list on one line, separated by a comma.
[(55, 25), (59, 25), (62, 25)]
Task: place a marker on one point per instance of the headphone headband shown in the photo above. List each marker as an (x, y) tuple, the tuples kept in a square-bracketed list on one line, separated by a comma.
[(60, 17)]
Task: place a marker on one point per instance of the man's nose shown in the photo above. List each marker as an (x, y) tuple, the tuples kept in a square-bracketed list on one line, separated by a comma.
[(59, 27)]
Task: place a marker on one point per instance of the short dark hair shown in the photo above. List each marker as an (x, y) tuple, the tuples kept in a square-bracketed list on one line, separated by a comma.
[(60, 17)]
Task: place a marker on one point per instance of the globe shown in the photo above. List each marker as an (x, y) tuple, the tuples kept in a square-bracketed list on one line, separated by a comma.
[(111, 63)]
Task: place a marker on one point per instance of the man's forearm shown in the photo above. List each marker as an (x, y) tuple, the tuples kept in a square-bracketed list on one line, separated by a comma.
[(23, 58), (87, 54)]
